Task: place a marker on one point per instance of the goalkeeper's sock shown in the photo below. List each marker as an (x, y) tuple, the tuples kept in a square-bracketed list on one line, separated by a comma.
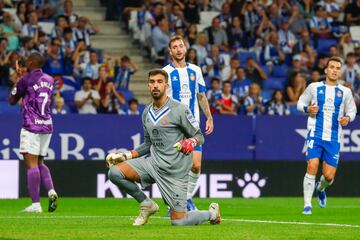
[(131, 188), (192, 218), (193, 178), (323, 184), (33, 184), (309, 186)]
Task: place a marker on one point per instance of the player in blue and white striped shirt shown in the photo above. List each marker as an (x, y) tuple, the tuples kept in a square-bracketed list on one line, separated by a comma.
[(187, 85), (330, 106)]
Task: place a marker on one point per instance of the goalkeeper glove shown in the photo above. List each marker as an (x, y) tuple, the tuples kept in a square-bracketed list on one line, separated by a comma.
[(186, 146), (117, 157)]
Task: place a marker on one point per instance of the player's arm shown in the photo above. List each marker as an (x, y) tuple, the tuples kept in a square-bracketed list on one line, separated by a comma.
[(191, 130), (350, 110), (204, 104), (19, 88), (143, 149), (304, 103)]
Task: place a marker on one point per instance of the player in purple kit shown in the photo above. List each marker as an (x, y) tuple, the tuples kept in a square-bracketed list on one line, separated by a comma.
[(36, 90)]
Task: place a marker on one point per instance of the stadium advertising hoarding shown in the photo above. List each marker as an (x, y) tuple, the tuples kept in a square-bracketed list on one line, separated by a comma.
[(89, 137), (219, 179)]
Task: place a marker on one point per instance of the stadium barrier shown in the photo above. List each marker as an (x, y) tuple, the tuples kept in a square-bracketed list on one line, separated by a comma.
[(219, 179), (80, 137)]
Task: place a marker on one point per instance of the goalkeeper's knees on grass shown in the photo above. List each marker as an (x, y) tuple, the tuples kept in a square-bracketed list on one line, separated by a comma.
[(117, 157), (186, 146)]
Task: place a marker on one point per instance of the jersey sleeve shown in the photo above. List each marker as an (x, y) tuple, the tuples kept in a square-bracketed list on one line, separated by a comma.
[(305, 99), (350, 106), (190, 125), (144, 148), (201, 82), (20, 89)]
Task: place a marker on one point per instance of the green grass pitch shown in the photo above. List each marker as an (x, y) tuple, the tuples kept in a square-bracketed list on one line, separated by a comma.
[(264, 218)]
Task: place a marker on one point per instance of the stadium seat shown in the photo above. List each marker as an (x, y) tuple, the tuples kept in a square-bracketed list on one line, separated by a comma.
[(47, 27), (280, 71), (243, 56), (323, 45), (266, 94), (274, 83), (4, 93), (127, 94), (69, 96), (5, 108), (206, 17), (355, 33)]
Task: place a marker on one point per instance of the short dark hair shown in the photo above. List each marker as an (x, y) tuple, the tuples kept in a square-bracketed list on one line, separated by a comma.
[(86, 79), (175, 38), (215, 79), (159, 71), (226, 82), (334, 59), (125, 58), (38, 59), (133, 100)]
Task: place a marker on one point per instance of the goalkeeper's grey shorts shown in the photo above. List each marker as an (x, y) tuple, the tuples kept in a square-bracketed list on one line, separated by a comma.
[(173, 190)]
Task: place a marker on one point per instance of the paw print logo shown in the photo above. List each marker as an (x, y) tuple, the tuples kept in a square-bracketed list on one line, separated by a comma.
[(251, 185)]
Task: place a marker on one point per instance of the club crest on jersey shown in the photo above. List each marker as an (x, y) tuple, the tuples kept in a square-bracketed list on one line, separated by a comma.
[(339, 94), (192, 77), (164, 121)]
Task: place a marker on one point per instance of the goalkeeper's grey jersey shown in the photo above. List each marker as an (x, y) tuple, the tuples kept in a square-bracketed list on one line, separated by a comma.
[(163, 128)]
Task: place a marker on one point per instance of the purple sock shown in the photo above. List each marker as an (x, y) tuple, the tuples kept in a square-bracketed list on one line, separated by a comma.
[(46, 177), (33, 184)]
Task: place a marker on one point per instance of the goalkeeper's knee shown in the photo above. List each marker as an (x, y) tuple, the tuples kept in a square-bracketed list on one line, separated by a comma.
[(114, 174)]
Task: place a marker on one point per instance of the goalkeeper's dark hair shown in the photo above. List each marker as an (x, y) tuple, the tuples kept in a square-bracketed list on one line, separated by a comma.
[(159, 71)]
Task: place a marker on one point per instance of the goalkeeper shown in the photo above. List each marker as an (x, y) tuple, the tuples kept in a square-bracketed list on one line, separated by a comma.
[(170, 135)]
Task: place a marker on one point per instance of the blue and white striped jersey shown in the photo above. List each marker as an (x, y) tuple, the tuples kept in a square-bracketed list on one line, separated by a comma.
[(185, 83), (334, 102)]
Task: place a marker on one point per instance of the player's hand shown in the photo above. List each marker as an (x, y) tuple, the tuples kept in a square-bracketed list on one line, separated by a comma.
[(186, 146), (313, 110), (209, 126), (18, 68), (344, 121), (114, 158)]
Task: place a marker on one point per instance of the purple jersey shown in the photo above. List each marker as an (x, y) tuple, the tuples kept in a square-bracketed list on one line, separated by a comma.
[(35, 89)]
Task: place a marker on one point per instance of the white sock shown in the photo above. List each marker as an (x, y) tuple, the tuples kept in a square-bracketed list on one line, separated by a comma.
[(323, 183), (193, 178), (309, 186), (51, 192)]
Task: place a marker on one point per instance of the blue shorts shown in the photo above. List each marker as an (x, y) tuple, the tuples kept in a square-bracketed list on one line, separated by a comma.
[(198, 148), (324, 150)]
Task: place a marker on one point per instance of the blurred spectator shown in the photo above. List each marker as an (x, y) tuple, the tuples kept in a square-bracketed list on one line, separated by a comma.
[(55, 63), (84, 29), (90, 69), (42, 42), (350, 72), (229, 72), (191, 34), (346, 44), (251, 18), (295, 88), (133, 107), (176, 17), (201, 47), (352, 13), (319, 25), (265, 27), (298, 65), (216, 34), (191, 56), (100, 83), (191, 12), (320, 66), (20, 17), (58, 107), (254, 72), (272, 54), (315, 76), (69, 13), (253, 103), (331, 8), (235, 8), (161, 36), (213, 64), (112, 101), (9, 30), (123, 72), (31, 29), (214, 93), (225, 16), (81, 54), (68, 40), (61, 23), (87, 99), (227, 104), (307, 9), (297, 24), (236, 35), (151, 15), (333, 51), (274, 14), (277, 105), (304, 42), (28, 47), (240, 86), (287, 39)]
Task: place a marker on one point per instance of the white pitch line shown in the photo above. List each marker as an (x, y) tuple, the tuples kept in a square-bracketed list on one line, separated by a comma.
[(157, 217)]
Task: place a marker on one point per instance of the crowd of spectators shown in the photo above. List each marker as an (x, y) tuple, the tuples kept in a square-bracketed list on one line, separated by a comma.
[(257, 56), (87, 81)]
